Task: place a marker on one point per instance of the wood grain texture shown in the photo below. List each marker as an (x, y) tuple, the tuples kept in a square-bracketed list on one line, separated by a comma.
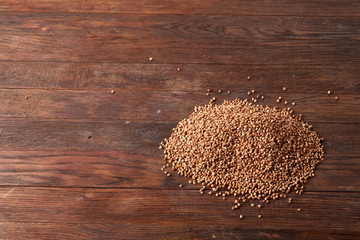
[(114, 169), (175, 39), (192, 77), (159, 105), (175, 51), (83, 230), (134, 136), (145, 28), (77, 162), (181, 214), (203, 7)]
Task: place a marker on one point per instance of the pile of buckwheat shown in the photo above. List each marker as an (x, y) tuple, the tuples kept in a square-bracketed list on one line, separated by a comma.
[(246, 150)]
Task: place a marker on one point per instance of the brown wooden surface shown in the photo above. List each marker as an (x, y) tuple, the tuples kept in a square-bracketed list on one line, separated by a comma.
[(77, 162)]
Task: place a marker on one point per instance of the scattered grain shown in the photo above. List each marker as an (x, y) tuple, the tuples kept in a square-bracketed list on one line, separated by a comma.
[(112, 91), (236, 147), (329, 92), (284, 88), (150, 59)]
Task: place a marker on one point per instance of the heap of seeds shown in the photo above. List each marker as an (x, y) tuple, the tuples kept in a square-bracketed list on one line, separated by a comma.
[(243, 149)]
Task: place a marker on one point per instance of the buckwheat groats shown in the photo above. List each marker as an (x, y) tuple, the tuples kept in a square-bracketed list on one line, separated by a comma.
[(243, 149)]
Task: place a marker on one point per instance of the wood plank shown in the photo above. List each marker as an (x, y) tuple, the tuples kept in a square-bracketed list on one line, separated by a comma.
[(163, 105), (203, 7), (64, 48), (84, 230), (143, 28), (192, 77), (136, 136), (173, 213), (116, 169)]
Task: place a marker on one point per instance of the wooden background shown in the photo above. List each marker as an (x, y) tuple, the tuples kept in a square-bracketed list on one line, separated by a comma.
[(77, 162)]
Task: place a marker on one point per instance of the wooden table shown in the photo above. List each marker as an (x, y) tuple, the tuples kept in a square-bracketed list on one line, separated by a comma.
[(78, 162)]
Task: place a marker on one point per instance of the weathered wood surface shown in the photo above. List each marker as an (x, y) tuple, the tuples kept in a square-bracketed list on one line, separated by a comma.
[(129, 38), (192, 77), (176, 214), (145, 28), (137, 136), (206, 51), (202, 7), (77, 162), (56, 168), (159, 105)]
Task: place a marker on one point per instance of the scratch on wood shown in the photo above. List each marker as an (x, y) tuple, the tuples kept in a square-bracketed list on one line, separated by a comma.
[(8, 193)]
